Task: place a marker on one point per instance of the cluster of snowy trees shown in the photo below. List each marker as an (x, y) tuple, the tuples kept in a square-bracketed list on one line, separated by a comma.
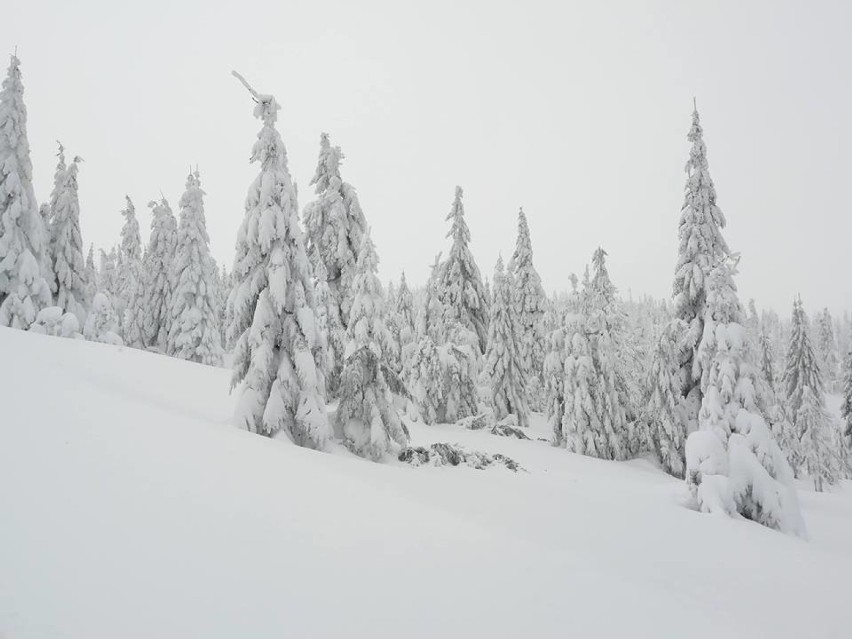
[(728, 399), (167, 297)]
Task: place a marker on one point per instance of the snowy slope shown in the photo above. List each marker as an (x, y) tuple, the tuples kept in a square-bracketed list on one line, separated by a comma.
[(131, 508)]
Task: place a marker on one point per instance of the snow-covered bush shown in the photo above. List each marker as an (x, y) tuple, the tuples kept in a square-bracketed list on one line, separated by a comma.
[(54, 321), (102, 323)]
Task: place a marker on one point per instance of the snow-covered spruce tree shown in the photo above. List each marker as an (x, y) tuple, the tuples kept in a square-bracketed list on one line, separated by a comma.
[(107, 276), (102, 323), (819, 461), (826, 347), (814, 448), (767, 359), (554, 380), (846, 402), (424, 369), (459, 284), (666, 426), (504, 366), (228, 314), (328, 320), (23, 289), (598, 416), (45, 260), (700, 247), (58, 183), (194, 332), (274, 325), (529, 303), (159, 274), (802, 369), (130, 306), (91, 274), (403, 324), (733, 463), (334, 229), (369, 422), (66, 247)]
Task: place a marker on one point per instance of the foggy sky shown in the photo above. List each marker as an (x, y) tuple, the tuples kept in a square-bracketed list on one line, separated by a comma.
[(576, 111)]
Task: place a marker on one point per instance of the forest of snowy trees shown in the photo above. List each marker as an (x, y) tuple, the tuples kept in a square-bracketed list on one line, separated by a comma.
[(729, 399)]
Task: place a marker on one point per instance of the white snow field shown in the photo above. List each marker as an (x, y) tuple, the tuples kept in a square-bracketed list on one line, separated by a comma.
[(130, 507)]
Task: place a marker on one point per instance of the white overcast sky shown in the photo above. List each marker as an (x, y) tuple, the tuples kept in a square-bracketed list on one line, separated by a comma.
[(577, 111)]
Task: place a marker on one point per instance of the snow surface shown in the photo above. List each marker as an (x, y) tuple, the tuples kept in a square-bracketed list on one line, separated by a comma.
[(131, 507)]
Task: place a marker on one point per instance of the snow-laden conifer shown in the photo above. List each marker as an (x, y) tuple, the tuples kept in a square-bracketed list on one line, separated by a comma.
[(459, 284), (45, 259), (733, 463), (700, 247), (504, 366), (274, 325), (334, 228), (666, 426), (66, 247), (402, 322), (820, 459), (194, 332), (597, 417), (816, 450), (107, 276), (826, 347), (102, 323), (846, 401), (802, 369), (529, 303), (55, 192), (767, 359), (91, 274), (23, 288), (159, 274), (130, 306), (369, 422)]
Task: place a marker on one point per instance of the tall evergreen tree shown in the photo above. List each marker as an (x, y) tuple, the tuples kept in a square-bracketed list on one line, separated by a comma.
[(159, 273), (733, 463), (23, 289), (56, 191), (66, 248), (504, 365), (194, 323), (700, 247), (274, 325), (529, 303), (459, 284), (131, 283), (366, 415), (334, 228)]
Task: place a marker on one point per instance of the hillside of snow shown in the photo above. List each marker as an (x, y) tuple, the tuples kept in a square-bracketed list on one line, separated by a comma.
[(130, 507)]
